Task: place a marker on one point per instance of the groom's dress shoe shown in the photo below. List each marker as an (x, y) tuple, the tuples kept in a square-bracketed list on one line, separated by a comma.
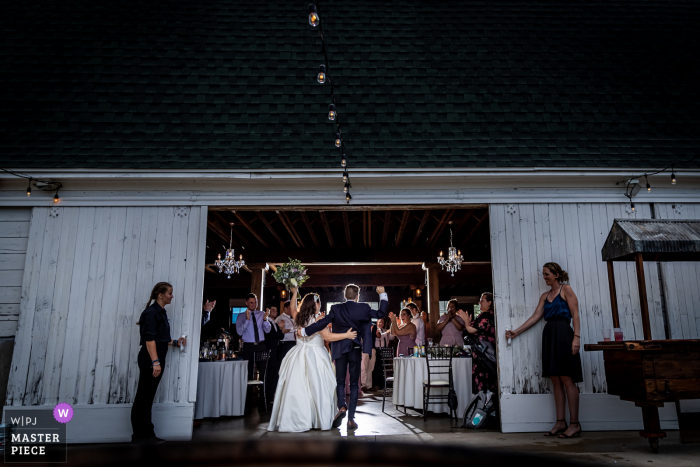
[(352, 425), (339, 418)]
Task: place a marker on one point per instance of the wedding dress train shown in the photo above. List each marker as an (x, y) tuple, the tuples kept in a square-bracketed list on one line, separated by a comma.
[(306, 391)]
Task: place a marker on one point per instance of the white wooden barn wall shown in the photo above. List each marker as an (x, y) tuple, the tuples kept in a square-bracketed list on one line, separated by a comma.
[(14, 231), (89, 272), (523, 238), (681, 281)]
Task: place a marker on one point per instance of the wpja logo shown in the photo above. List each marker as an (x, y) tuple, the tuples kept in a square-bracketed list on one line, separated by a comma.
[(36, 435)]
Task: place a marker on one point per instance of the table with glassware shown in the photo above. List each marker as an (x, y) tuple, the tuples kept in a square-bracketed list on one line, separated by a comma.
[(221, 388), (409, 374)]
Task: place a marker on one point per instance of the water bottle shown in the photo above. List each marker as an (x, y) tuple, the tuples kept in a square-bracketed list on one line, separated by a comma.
[(182, 347), (415, 350)]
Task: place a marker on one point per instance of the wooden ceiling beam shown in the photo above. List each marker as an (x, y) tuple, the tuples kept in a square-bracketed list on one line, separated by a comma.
[(216, 229), (247, 225), (402, 227), (269, 227), (242, 241), (387, 221), (326, 227), (346, 223), (420, 228), (474, 230), (290, 228), (464, 221), (305, 218), (440, 226)]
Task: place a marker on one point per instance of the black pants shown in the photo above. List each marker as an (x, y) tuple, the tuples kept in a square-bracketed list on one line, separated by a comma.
[(141, 423), (352, 359), (248, 354), (378, 371), (272, 374)]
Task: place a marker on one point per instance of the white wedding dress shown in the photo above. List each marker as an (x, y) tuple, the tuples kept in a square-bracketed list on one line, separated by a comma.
[(306, 395)]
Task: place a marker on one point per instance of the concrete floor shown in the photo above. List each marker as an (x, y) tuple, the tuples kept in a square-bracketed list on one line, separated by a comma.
[(604, 448)]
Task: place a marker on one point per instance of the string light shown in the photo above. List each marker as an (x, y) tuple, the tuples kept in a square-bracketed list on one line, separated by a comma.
[(348, 197), (29, 188), (313, 16), (648, 186), (56, 199), (346, 187), (322, 74), (44, 185), (345, 175), (673, 177), (331, 112), (338, 141), (343, 161)]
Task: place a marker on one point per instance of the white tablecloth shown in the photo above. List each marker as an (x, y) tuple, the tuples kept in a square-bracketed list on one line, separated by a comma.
[(221, 389), (409, 374)]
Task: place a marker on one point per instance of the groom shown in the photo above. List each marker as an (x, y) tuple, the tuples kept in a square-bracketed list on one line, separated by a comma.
[(344, 316)]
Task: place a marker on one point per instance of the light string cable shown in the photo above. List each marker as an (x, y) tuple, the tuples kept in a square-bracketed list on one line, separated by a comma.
[(323, 77), (45, 185)]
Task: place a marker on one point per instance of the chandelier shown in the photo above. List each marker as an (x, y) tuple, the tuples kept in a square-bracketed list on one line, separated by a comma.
[(229, 265), (454, 259)]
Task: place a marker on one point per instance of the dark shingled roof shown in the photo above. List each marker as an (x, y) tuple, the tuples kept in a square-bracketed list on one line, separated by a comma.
[(198, 84)]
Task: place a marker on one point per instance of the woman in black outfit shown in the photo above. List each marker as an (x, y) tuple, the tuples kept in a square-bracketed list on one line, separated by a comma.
[(483, 328), (560, 346), (155, 339)]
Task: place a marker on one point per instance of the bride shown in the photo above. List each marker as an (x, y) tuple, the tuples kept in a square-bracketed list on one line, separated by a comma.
[(306, 391)]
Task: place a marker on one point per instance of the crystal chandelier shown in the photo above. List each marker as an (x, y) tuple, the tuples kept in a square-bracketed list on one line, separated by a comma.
[(229, 265), (454, 259)]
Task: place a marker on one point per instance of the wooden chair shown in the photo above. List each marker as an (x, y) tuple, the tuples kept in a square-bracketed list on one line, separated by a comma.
[(439, 362), (260, 359), (387, 356)]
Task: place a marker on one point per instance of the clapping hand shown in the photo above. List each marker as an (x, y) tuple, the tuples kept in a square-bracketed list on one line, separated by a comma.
[(465, 317), (351, 334), (247, 313), (209, 305), (267, 313), (392, 316)]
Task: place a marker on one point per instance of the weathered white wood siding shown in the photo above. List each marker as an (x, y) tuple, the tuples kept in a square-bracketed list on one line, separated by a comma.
[(681, 281), (526, 236), (87, 277), (14, 231)]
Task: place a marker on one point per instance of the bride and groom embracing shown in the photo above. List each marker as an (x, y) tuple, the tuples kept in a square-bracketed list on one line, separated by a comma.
[(309, 389)]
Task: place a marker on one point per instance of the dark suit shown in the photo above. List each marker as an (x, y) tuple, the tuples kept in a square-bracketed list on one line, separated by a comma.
[(347, 353), (272, 340)]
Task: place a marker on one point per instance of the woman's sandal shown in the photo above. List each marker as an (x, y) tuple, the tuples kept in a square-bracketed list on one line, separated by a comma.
[(558, 431), (565, 436)]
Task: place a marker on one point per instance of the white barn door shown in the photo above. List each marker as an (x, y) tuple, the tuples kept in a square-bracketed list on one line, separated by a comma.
[(88, 274), (523, 238)]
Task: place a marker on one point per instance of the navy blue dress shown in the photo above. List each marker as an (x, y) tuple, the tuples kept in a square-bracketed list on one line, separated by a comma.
[(557, 336)]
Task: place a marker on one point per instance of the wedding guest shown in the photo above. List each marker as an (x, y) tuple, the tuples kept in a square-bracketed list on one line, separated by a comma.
[(418, 322), (206, 311), (405, 331), (272, 341), (367, 362), (154, 330), (286, 324), (560, 346), (380, 340), (451, 326), (252, 326), (483, 328)]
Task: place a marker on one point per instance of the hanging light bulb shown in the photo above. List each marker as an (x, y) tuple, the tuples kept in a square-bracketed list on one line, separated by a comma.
[(331, 112), (648, 186), (673, 177), (338, 141), (322, 74), (345, 175), (346, 187), (313, 15), (29, 188), (343, 161), (348, 197), (632, 206), (56, 199)]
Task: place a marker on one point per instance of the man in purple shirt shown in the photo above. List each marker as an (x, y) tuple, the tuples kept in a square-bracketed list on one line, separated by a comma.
[(252, 326)]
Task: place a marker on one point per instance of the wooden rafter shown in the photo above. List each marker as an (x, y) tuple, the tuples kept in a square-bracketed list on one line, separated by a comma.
[(369, 229), (387, 220), (402, 227), (290, 228), (306, 221), (440, 227), (426, 215), (327, 228), (247, 225), (463, 222), (474, 230), (269, 227), (346, 223), (242, 241), (216, 228)]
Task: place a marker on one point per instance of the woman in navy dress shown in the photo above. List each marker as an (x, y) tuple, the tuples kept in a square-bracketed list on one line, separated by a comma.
[(560, 346)]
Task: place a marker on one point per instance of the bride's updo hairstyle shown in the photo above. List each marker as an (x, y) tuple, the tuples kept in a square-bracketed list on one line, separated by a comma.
[(554, 268), (307, 310)]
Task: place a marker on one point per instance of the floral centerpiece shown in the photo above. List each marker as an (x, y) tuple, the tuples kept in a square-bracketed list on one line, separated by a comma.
[(291, 274)]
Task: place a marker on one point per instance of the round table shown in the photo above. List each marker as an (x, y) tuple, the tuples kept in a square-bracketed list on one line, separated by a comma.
[(409, 374), (221, 389)]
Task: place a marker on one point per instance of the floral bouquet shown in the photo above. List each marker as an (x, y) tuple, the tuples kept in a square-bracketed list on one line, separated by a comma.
[(291, 274)]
